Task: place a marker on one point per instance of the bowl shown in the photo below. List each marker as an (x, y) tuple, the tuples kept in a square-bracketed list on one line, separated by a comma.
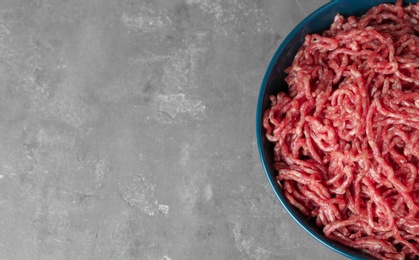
[(273, 82)]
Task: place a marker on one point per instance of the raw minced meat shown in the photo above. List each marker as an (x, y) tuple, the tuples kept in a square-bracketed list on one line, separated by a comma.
[(346, 134)]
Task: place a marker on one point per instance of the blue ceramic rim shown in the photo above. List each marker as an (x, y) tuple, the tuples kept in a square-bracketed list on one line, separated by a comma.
[(259, 126)]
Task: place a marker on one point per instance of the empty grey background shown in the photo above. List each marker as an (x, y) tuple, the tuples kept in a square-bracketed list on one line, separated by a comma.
[(127, 130)]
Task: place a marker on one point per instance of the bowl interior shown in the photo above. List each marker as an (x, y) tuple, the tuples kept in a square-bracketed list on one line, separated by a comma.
[(273, 83)]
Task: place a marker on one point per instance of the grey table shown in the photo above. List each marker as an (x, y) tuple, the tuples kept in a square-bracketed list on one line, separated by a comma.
[(127, 130)]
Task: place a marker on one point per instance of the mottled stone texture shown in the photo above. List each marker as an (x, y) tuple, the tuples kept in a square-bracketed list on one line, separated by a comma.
[(127, 130)]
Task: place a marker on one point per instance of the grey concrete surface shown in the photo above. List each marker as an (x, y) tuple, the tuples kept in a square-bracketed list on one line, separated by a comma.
[(127, 130)]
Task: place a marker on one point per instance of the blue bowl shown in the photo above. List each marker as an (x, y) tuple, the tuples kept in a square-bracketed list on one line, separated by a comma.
[(273, 82)]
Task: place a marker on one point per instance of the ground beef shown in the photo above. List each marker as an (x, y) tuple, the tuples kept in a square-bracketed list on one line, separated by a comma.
[(346, 134)]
